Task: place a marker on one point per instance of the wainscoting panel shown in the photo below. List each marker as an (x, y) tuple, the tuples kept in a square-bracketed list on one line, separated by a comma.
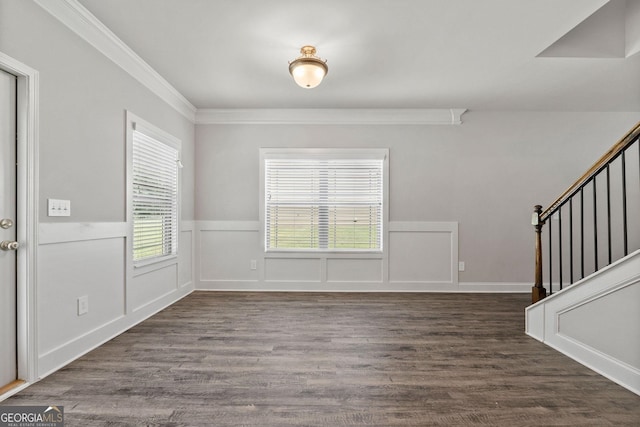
[(185, 258), (418, 256), (424, 253), (226, 255), (354, 270), (67, 271), (89, 259), (149, 287), (584, 325), (596, 321), (293, 270)]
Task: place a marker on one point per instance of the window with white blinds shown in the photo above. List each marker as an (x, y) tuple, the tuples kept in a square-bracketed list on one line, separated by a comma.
[(154, 198), (324, 204)]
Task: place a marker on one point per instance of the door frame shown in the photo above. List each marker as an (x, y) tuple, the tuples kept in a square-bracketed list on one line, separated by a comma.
[(27, 217)]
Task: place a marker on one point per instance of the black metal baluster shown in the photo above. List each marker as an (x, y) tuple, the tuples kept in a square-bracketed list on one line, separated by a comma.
[(571, 240), (550, 259), (589, 178), (581, 232), (560, 245), (609, 213), (595, 227), (624, 204)]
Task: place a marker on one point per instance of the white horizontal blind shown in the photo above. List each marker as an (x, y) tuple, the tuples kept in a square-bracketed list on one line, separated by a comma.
[(318, 204), (155, 198)]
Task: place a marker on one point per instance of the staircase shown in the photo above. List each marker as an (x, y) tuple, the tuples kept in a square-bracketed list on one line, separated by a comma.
[(588, 305)]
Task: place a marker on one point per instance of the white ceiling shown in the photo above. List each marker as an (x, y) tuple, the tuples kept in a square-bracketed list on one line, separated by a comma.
[(476, 54)]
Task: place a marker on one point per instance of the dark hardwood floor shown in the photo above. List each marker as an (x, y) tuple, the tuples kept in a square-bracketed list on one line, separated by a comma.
[(314, 359)]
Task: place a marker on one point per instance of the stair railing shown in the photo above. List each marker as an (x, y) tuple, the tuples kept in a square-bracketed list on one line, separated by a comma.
[(597, 208)]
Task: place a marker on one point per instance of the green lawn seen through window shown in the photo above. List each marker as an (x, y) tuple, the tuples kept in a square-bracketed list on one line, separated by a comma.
[(148, 237), (295, 236)]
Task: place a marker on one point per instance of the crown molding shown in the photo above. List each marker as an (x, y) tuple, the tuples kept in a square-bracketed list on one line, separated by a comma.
[(88, 27), (332, 116), (75, 16)]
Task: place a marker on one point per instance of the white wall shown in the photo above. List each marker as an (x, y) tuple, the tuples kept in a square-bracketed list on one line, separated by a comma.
[(83, 99), (483, 176)]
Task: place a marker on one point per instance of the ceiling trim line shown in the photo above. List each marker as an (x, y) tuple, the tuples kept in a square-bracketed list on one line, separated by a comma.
[(331, 116), (88, 27)]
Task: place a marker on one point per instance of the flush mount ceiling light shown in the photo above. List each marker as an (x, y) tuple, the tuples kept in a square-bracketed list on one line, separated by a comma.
[(308, 70)]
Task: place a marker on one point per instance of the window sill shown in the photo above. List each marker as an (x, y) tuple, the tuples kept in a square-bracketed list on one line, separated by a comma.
[(282, 253), (147, 266)]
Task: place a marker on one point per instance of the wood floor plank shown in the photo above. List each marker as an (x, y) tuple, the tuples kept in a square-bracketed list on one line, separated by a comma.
[(333, 359)]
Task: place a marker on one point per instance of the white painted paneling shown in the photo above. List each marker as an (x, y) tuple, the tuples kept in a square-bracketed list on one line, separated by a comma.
[(293, 269), (83, 344), (354, 270), (225, 255), (618, 335), (423, 253), (595, 321), (149, 287), (185, 258), (66, 271), (78, 259), (534, 321), (420, 257), (226, 249)]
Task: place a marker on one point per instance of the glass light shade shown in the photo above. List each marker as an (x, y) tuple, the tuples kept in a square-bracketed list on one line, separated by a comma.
[(307, 74), (308, 70)]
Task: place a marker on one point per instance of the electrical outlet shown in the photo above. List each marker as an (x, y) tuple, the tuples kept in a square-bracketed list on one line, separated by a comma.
[(83, 305), (461, 266), (254, 264)]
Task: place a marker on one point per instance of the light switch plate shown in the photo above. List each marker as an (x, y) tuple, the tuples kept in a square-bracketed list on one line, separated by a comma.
[(58, 207), (83, 305)]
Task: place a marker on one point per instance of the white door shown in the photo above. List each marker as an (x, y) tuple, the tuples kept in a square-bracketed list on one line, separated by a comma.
[(8, 324)]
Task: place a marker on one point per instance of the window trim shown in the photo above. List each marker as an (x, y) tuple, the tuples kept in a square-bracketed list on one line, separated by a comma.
[(325, 153), (134, 122)]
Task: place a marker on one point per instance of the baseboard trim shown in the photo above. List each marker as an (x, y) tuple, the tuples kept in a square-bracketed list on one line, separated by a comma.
[(620, 373), (257, 286), (13, 388), (495, 287)]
